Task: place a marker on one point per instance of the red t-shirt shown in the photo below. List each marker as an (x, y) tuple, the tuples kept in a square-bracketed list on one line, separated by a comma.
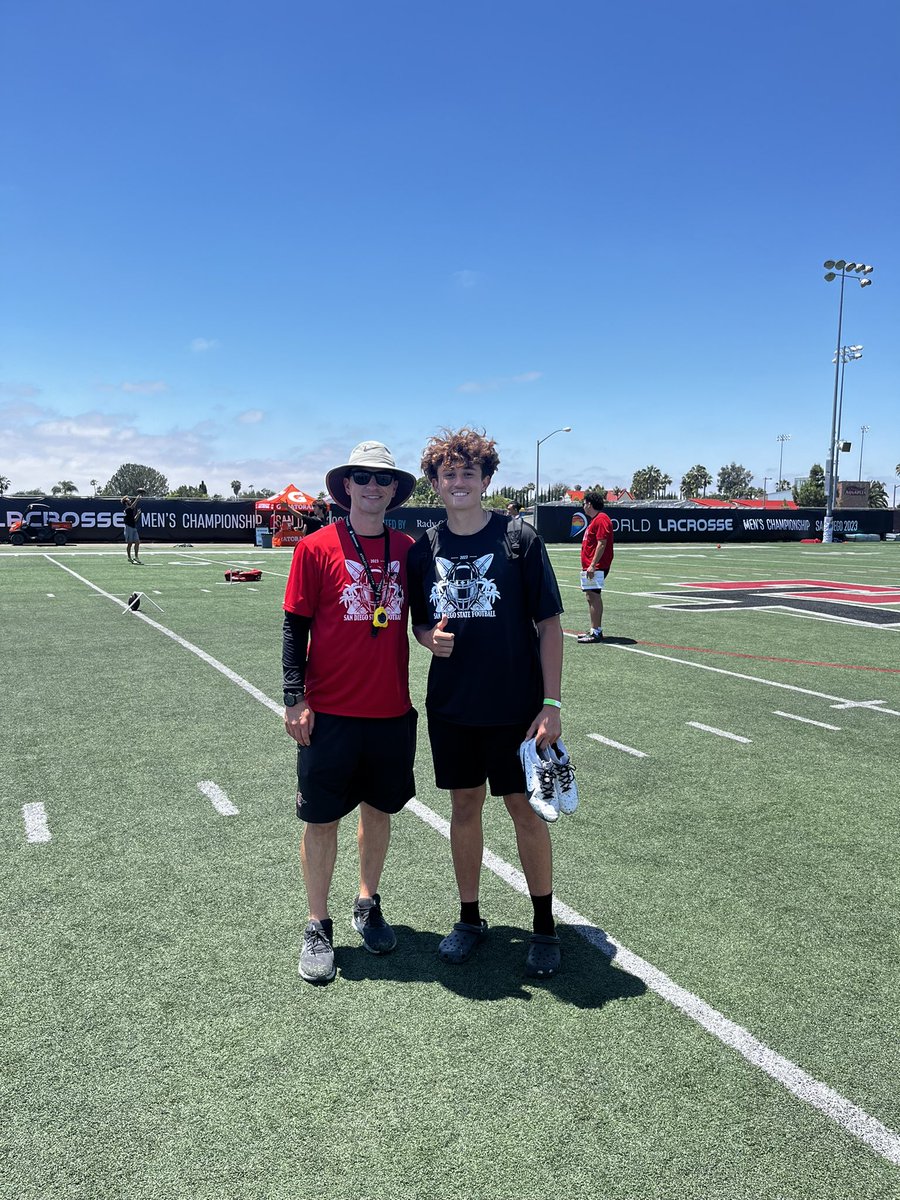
[(350, 673), (599, 528)]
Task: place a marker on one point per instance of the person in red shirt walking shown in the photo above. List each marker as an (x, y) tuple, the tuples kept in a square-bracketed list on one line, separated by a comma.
[(345, 661), (596, 558)]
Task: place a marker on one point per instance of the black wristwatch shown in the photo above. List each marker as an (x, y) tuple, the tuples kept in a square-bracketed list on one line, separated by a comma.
[(292, 698)]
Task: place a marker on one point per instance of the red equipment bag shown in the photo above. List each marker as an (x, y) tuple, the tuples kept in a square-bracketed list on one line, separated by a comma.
[(251, 576)]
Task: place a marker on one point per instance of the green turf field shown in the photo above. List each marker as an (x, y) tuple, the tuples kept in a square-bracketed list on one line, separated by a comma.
[(743, 1042)]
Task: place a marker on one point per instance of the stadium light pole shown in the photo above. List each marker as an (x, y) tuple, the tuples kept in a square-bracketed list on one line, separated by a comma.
[(537, 464), (863, 430), (765, 492), (835, 268), (848, 354), (781, 439)]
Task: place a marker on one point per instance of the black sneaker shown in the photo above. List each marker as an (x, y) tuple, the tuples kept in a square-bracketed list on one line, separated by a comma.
[(377, 935), (317, 956), (590, 637)]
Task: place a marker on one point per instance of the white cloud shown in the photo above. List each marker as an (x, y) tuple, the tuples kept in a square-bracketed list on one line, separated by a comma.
[(495, 385), (252, 416), (201, 345), (144, 387)]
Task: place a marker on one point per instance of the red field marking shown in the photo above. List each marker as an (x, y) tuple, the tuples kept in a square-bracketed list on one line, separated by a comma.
[(849, 593), (799, 662)]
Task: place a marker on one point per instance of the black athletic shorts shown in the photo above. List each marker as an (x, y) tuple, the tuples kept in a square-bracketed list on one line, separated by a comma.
[(354, 759), (466, 756)]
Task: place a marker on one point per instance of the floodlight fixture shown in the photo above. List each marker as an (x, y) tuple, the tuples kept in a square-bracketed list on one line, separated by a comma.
[(865, 282), (840, 263), (831, 275), (851, 267), (828, 264)]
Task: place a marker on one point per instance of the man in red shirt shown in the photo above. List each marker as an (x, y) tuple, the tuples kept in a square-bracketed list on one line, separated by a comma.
[(345, 659), (596, 558)]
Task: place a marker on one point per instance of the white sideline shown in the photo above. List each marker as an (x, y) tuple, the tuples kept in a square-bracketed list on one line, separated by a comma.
[(789, 687), (36, 827), (879, 1137), (856, 1121)]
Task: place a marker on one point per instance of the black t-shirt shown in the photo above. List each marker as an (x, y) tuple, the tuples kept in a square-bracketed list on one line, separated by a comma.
[(493, 676), (131, 515)]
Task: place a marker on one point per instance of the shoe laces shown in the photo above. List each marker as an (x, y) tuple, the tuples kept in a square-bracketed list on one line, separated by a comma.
[(316, 941), (565, 774), (545, 779), (370, 915)]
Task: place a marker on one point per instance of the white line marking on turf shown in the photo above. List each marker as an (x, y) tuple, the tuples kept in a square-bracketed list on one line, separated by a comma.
[(855, 1120), (217, 798), (879, 1137), (734, 737), (201, 654), (36, 827), (841, 701), (805, 720), (617, 745), (51, 596)]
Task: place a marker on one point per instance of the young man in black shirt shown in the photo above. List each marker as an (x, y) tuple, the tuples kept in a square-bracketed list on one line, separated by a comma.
[(487, 606)]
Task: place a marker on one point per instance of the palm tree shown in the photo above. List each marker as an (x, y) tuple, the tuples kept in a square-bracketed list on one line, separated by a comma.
[(65, 487), (4, 484), (877, 494), (95, 483), (235, 487)]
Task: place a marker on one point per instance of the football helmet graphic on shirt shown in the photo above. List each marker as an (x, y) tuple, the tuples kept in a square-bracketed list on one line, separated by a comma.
[(462, 587), (357, 596)]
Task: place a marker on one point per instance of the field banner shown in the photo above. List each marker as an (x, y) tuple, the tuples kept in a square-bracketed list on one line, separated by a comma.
[(97, 519), (100, 520), (567, 523)]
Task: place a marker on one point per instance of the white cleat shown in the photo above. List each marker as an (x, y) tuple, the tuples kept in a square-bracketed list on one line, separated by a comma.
[(564, 777), (540, 781)]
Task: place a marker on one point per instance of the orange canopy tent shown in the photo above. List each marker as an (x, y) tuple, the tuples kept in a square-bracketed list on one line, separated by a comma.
[(290, 498), (283, 511)]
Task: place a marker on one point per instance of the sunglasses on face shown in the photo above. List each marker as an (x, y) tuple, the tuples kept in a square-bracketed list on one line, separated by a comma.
[(382, 478)]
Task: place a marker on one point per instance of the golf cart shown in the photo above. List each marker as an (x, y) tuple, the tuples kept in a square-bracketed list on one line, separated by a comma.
[(34, 527)]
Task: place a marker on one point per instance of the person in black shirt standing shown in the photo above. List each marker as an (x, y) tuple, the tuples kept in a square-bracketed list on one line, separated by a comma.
[(487, 606), (132, 531)]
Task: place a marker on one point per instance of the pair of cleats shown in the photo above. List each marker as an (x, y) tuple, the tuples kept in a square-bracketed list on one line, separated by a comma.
[(317, 954), (136, 560), (549, 779), (541, 962), (590, 636)]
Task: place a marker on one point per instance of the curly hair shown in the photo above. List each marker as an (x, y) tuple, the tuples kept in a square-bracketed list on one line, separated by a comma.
[(460, 448)]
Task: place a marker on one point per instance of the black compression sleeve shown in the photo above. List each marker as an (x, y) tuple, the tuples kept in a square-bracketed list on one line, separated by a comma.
[(294, 641)]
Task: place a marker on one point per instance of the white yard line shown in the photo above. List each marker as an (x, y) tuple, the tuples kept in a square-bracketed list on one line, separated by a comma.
[(36, 827), (806, 720), (217, 798), (842, 701), (734, 737), (879, 1137), (617, 745), (856, 1121), (207, 658)]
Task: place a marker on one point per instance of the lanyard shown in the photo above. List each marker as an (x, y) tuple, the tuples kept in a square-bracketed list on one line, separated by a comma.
[(379, 616)]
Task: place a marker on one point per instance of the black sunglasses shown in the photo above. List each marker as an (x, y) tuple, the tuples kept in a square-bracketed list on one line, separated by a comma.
[(382, 478)]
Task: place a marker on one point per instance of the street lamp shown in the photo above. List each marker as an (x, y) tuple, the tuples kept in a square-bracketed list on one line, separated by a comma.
[(537, 466), (765, 492), (782, 438), (863, 430), (835, 268)]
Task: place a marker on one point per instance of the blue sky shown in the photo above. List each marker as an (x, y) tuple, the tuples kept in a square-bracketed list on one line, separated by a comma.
[(237, 238)]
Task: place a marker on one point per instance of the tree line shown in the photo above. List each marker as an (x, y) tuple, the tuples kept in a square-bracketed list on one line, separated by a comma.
[(648, 483)]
